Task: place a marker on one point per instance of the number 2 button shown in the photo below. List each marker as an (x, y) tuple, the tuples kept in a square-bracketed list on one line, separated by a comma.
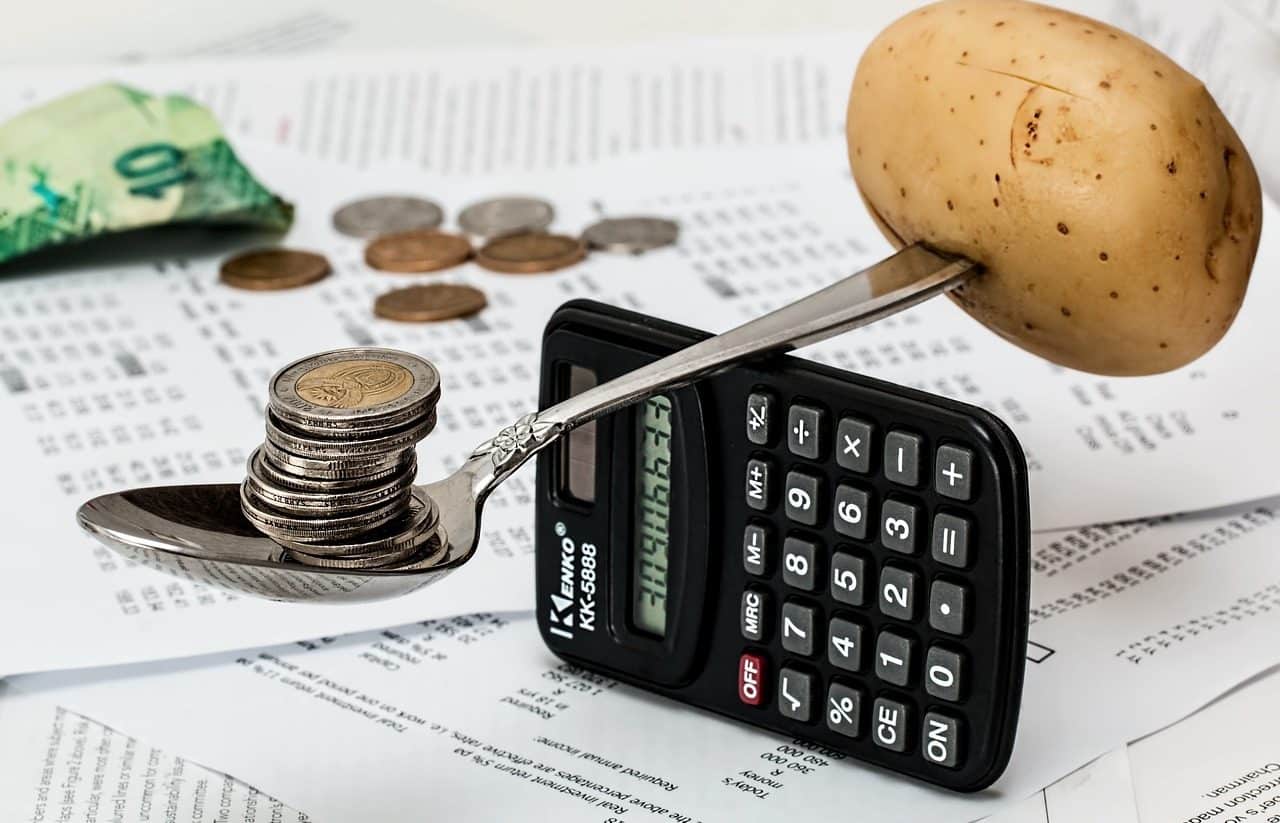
[(898, 592)]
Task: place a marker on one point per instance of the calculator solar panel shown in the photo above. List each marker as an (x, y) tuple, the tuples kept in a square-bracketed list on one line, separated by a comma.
[(801, 548)]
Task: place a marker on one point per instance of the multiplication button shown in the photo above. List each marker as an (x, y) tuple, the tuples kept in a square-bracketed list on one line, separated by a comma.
[(853, 445)]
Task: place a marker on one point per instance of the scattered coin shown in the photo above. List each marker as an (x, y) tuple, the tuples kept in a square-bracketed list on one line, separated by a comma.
[(417, 251), (273, 269), (506, 215), (375, 216), (531, 253), (429, 303), (631, 235)]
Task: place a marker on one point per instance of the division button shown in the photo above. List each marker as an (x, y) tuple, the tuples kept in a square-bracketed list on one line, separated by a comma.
[(844, 644), (853, 445), (760, 407), (755, 550), (898, 526), (893, 658), (902, 457), (802, 497), (795, 695), (751, 679), (950, 542), (889, 721), (848, 579), (943, 673), (844, 710), (799, 563), (804, 432), (953, 472), (754, 607), (948, 607), (850, 512), (940, 740), (898, 592), (759, 485), (798, 628)]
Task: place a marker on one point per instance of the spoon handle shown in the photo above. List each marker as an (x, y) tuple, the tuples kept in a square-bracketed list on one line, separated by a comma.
[(910, 276)]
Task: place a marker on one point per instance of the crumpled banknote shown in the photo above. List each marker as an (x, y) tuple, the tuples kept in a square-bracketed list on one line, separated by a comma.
[(112, 158)]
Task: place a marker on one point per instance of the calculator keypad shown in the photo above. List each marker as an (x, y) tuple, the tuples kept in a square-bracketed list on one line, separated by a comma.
[(877, 526)]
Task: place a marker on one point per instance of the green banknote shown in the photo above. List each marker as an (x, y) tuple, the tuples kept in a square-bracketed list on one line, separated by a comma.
[(111, 158)]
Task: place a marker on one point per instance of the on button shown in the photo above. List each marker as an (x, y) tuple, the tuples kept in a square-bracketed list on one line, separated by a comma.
[(751, 679)]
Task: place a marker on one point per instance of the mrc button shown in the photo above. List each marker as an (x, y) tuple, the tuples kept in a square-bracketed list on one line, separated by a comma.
[(751, 679)]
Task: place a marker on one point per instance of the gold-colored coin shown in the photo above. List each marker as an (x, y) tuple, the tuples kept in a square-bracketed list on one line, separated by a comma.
[(531, 253), (421, 250), (430, 303), (273, 269), (355, 384)]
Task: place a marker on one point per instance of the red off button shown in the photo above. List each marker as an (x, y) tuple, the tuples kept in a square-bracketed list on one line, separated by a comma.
[(751, 679)]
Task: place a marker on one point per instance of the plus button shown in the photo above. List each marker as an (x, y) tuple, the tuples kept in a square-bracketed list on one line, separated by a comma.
[(952, 475)]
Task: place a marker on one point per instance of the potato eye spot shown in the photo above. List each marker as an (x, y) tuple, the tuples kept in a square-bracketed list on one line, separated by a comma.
[(1098, 176), (1102, 255), (1202, 195), (1115, 295), (996, 201), (1155, 288), (1153, 126), (1157, 72), (1062, 229), (999, 23), (951, 206), (902, 192), (997, 178), (1028, 326), (1066, 312), (1172, 168), (1104, 84), (1164, 345)]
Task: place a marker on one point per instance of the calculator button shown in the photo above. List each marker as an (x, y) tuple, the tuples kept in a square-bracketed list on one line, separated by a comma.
[(795, 695), (751, 679), (893, 658), (759, 485), (953, 472), (947, 606), (853, 445), (755, 550), (851, 512), (943, 673), (898, 526), (797, 628), (804, 432), (898, 592), (844, 710), (940, 740), (950, 542), (754, 606), (799, 558), (844, 644), (902, 457), (848, 579), (889, 724), (760, 407), (802, 497)]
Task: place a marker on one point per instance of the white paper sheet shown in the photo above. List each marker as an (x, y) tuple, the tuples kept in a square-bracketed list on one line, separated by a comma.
[(133, 373), (1098, 792), (56, 765), (1133, 628)]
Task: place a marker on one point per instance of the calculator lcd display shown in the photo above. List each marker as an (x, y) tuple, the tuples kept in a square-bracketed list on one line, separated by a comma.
[(653, 515)]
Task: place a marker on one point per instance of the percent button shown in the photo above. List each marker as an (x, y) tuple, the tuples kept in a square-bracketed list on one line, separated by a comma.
[(844, 710)]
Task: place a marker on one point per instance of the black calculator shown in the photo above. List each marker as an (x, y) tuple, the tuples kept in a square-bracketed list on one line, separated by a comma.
[(790, 545)]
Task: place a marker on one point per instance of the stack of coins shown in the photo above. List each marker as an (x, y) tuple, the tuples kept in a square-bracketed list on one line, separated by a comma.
[(333, 483)]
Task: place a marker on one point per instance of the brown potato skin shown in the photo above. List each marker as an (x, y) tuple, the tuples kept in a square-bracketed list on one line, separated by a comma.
[(1114, 208)]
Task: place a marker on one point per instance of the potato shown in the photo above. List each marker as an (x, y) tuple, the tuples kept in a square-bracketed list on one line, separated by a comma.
[(1113, 207)]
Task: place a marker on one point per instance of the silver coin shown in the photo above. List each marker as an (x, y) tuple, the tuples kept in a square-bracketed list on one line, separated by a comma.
[(426, 550), (298, 444), (266, 469), (420, 515), (354, 389), (305, 529), (631, 235), (329, 502), (321, 469), (376, 216), (506, 215)]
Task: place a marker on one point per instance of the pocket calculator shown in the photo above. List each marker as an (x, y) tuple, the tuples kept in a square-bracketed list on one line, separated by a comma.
[(790, 545)]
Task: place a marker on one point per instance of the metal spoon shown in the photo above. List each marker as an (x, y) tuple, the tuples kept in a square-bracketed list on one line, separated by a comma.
[(199, 533)]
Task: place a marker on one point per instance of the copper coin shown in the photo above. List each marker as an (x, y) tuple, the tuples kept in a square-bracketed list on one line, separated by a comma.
[(417, 251), (430, 303), (273, 269), (531, 253)]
